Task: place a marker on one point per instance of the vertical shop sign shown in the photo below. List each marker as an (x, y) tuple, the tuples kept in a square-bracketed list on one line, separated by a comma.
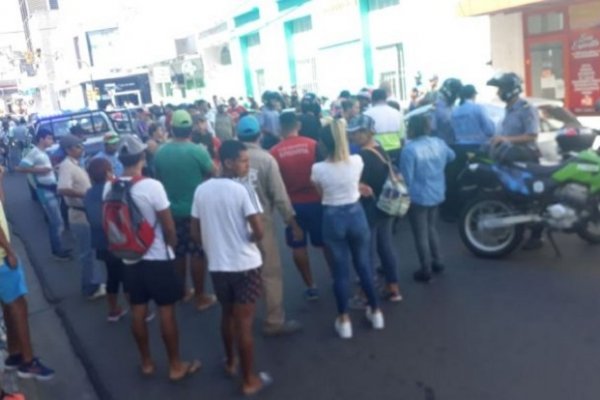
[(585, 72)]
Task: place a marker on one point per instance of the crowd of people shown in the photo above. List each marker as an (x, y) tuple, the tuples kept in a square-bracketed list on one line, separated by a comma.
[(193, 189)]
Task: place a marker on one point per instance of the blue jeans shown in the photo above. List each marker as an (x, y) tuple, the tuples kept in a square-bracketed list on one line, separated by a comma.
[(51, 205), (424, 221), (382, 244), (346, 234), (91, 275)]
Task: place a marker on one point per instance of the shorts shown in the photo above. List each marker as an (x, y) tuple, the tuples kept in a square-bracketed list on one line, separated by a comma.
[(12, 283), (310, 218), (153, 280), (237, 287), (185, 244)]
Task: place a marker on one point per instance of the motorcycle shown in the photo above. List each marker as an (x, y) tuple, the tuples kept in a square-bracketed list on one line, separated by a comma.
[(508, 198)]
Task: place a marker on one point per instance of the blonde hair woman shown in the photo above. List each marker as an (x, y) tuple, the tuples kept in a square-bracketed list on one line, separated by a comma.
[(345, 228)]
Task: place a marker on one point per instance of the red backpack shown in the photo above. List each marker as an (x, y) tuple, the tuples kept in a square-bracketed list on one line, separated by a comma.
[(129, 234)]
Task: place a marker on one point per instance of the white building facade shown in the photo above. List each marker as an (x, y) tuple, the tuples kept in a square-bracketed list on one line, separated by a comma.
[(326, 46)]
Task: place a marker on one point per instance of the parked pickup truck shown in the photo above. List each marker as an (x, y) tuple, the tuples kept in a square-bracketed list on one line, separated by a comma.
[(91, 124)]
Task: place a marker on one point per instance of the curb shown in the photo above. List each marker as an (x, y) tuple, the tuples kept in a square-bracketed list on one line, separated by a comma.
[(50, 296), (92, 373), (55, 303)]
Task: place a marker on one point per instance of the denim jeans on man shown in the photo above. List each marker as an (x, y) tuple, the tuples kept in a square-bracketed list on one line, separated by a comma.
[(382, 244), (91, 275), (423, 221), (51, 205), (346, 234)]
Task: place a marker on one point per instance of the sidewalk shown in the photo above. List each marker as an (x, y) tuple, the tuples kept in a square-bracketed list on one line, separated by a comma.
[(50, 343)]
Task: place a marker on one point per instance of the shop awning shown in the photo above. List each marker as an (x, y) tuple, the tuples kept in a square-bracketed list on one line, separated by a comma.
[(470, 8)]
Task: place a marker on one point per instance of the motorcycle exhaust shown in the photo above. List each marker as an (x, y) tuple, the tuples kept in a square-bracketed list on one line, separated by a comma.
[(505, 222)]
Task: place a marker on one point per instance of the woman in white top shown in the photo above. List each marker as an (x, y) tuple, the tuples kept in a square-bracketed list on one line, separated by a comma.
[(345, 228)]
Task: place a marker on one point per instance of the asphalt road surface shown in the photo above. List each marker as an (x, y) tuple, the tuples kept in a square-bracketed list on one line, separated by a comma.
[(526, 327)]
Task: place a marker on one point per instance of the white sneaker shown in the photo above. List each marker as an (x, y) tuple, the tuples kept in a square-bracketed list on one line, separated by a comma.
[(375, 318), (99, 293), (343, 328)]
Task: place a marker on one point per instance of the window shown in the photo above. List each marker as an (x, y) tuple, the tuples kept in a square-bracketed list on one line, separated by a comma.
[(53, 4), (247, 17), (101, 46), (252, 39), (306, 71), (379, 4), (261, 83), (545, 23), (389, 64), (300, 25), (225, 56), (547, 70), (283, 5)]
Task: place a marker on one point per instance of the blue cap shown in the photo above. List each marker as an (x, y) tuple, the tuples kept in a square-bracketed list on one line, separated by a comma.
[(248, 126)]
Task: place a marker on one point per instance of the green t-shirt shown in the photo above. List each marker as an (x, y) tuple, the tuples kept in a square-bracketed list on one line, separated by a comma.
[(181, 167)]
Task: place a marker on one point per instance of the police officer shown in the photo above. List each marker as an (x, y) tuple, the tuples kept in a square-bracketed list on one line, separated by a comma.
[(521, 124), (441, 127), (442, 117), (519, 131)]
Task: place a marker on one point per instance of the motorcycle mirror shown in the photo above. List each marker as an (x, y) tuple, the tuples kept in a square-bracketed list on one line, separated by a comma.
[(596, 144)]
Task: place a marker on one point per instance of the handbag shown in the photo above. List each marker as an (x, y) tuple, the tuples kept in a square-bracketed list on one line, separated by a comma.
[(394, 199)]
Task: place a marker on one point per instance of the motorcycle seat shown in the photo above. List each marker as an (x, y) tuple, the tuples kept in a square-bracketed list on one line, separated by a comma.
[(538, 170)]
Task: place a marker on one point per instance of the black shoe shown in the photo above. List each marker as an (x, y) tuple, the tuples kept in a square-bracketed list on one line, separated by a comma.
[(438, 268), (533, 244), (422, 276), (13, 362)]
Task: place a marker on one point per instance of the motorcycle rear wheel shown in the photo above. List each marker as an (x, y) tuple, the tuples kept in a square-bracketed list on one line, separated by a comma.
[(490, 243)]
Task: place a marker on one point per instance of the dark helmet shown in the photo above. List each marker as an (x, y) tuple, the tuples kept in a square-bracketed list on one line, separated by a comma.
[(310, 104), (509, 84), (270, 95), (450, 89), (266, 96)]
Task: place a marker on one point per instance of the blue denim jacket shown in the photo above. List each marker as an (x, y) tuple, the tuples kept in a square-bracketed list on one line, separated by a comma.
[(471, 124), (422, 164)]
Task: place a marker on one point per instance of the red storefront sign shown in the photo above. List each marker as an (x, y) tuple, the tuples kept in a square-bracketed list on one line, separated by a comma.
[(584, 55)]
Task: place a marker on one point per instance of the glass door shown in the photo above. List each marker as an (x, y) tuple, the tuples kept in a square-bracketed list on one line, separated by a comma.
[(547, 70)]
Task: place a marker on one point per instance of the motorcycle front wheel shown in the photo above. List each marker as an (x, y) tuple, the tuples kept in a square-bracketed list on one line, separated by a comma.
[(590, 231), (489, 243)]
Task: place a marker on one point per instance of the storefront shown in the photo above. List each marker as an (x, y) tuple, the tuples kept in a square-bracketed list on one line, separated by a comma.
[(561, 45), (131, 90)]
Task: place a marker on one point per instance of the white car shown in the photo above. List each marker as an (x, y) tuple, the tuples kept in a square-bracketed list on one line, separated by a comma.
[(554, 119)]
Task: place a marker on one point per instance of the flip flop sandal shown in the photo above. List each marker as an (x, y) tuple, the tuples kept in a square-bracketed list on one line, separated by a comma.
[(266, 379), (190, 370), (206, 306), (189, 295), (146, 374), (229, 373)]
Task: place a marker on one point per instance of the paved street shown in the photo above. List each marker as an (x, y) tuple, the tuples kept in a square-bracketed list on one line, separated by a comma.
[(522, 328), (51, 343)]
